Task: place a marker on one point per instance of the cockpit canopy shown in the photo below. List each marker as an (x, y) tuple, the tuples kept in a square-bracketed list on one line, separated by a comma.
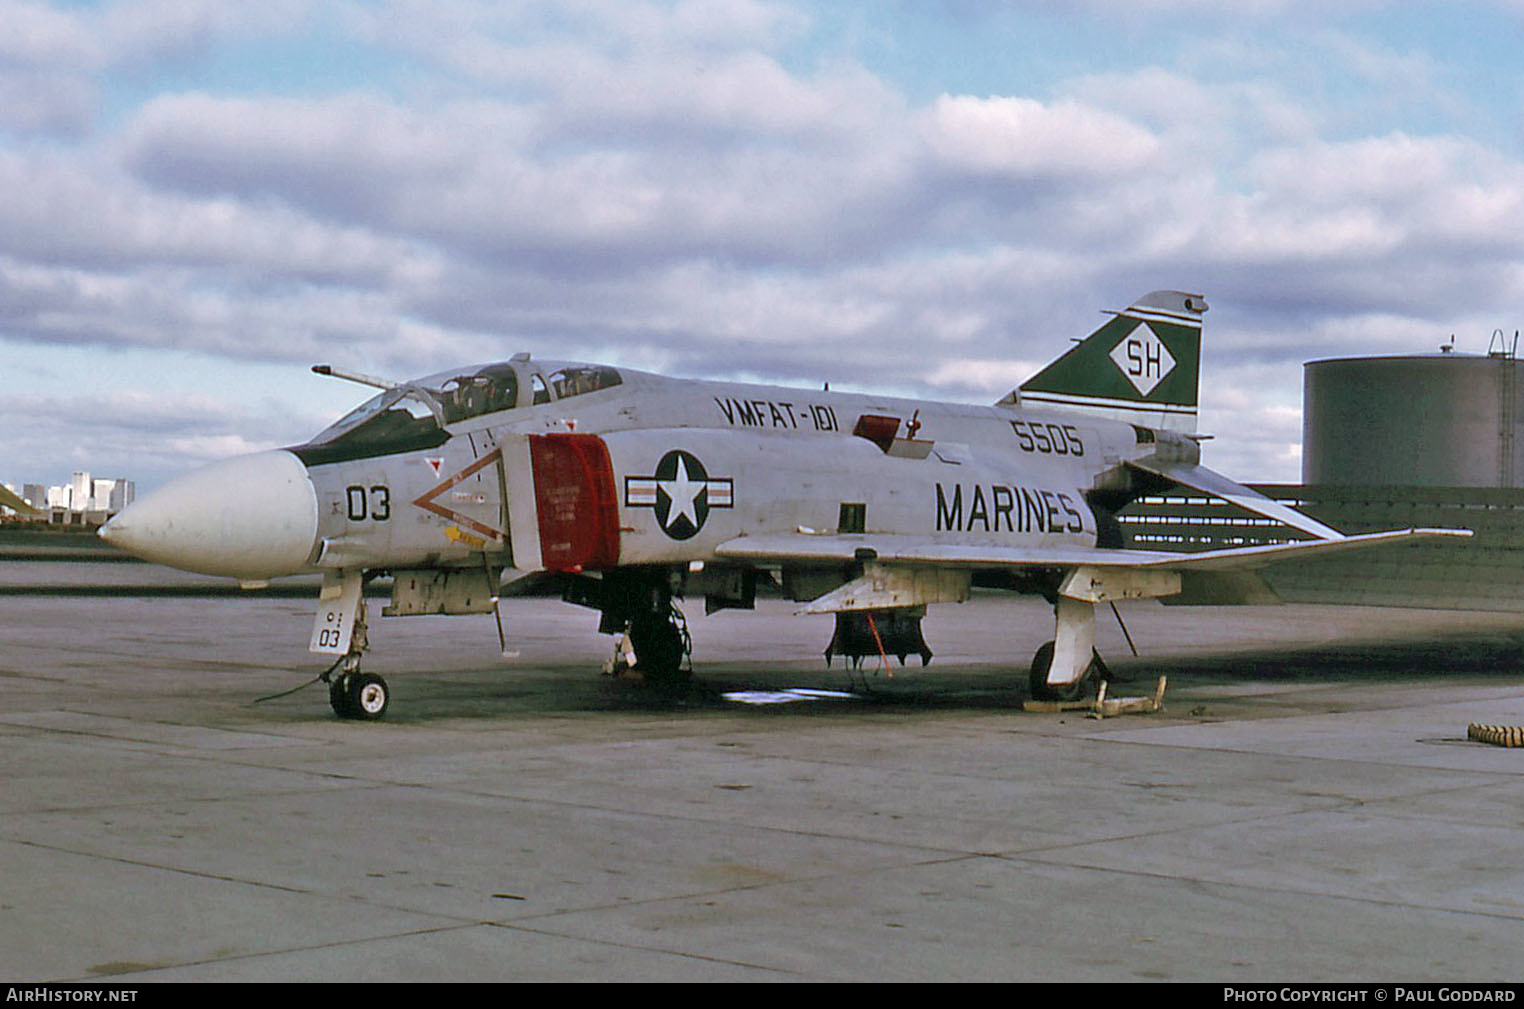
[(581, 379), (494, 388), (413, 416)]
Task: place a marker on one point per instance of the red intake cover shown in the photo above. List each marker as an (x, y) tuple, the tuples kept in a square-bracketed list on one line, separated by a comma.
[(576, 502)]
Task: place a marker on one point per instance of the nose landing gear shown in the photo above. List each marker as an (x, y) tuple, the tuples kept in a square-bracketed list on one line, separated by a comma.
[(351, 693)]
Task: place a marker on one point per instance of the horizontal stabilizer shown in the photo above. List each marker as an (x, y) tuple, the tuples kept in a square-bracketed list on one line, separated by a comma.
[(1208, 482)]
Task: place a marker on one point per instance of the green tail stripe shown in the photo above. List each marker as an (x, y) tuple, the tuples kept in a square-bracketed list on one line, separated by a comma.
[(1090, 369)]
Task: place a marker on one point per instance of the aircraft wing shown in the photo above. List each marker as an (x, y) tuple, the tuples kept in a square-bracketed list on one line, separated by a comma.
[(921, 551)]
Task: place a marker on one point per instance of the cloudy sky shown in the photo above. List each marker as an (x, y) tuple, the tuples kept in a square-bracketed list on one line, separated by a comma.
[(198, 199)]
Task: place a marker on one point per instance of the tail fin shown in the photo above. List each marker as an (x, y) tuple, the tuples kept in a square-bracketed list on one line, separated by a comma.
[(1143, 366)]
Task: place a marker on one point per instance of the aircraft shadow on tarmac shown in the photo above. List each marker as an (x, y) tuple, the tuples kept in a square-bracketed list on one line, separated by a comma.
[(1489, 655), (789, 690)]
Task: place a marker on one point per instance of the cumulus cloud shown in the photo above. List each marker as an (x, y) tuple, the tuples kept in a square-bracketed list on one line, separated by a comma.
[(54, 60), (39, 35), (1021, 138), (986, 376), (347, 155), (46, 64), (720, 188), (144, 436)]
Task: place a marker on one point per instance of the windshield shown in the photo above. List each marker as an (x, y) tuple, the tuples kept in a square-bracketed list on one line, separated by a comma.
[(398, 420)]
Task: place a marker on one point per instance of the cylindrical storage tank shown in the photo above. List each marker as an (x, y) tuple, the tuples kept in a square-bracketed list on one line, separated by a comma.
[(1432, 420)]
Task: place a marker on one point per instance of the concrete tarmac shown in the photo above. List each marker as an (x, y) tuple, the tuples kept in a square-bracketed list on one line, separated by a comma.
[(1305, 809)]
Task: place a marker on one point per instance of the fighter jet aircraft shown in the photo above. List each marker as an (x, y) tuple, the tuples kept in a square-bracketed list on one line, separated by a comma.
[(633, 490)]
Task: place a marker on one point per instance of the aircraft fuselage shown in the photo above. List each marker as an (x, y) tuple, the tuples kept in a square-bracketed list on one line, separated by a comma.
[(656, 471)]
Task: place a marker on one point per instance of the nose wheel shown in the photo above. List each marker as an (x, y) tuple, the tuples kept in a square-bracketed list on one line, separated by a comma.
[(357, 695)]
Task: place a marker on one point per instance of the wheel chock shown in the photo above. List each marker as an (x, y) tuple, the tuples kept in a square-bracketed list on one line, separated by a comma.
[(1104, 707), (1052, 706)]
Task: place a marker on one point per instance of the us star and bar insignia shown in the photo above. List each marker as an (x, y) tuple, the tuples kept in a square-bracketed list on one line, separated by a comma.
[(681, 492)]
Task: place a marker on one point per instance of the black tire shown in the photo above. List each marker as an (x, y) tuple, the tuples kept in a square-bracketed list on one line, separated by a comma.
[(659, 650), (339, 696), (369, 696), (1040, 689)]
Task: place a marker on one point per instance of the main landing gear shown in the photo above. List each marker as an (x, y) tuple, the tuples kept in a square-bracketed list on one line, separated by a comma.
[(640, 604), (1067, 667), (1041, 690), (661, 645)]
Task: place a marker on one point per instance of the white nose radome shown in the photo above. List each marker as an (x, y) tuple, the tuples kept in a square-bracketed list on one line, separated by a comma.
[(250, 517)]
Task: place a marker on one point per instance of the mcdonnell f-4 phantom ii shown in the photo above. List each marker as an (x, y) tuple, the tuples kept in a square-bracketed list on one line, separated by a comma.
[(633, 490)]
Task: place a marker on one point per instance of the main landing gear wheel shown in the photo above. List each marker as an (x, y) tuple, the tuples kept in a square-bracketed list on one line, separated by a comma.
[(660, 647), (1041, 690), (364, 696)]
